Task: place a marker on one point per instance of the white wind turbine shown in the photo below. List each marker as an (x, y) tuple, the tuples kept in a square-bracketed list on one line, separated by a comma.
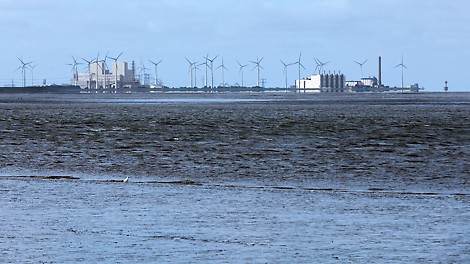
[(402, 67), (97, 70), (156, 70), (89, 62), (143, 69), (103, 67), (241, 70), (360, 65), (285, 70), (23, 67), (212, 69), (320, 65), (74, 70), (116, 69), (191, 68), (222, 66), (300, 65), (207, 66), (257, 65), (32, 74)]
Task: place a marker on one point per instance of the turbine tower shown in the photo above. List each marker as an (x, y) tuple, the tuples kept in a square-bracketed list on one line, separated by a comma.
[(116, 70), (212, 69), (97, 68), (402, 67), (191, 68), (103, 67), (207, 65), (360, 65), (23, 67), (196, 68), (32, 74), (143, 69), (89, 62), (222, 66), (285, 70), (257, 65), (156, 70), (300, 65), (241, 70), (74, 70)]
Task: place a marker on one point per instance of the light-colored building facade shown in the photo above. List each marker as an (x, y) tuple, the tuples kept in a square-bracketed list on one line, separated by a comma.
[(369, 84), (99, 76), (324, 82)]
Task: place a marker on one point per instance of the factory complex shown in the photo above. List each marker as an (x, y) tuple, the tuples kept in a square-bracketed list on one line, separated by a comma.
[(337, 83), (99, 77)]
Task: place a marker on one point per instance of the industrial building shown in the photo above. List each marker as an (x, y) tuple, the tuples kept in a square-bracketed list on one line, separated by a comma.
[(336, 82), (369, 84), (324, 82), (99, 76)]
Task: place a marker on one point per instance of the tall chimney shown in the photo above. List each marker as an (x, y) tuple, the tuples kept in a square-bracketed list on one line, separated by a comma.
[(133, 70), (380, 71)]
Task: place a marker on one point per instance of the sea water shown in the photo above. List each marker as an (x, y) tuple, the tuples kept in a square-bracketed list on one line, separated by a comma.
[(234, 178)]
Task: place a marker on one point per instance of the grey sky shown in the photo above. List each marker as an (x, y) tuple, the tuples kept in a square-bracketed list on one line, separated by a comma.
[(432, 35)]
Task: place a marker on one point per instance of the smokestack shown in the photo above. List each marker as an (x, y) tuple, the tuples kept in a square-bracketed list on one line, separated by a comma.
[(133, 70), (380, 71)]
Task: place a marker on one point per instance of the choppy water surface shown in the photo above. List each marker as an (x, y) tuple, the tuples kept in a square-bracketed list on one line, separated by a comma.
[(251, 178)]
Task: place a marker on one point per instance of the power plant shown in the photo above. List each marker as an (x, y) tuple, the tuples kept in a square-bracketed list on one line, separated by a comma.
[(336, 82)]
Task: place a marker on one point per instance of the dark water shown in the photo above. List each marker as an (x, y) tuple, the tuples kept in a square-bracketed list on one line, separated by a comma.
[(251, 178)]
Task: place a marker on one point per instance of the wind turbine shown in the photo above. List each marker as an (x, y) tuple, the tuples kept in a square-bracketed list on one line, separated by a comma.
[(89, 62), (360, 65), (196, 68), (257, 65), (32, 74), (285, 69), (74, 70), (97, 68), (191, 67), (402, 67), (156, 70), (320, 65), (116, 69), (143, 69), (222, 66), (207, 65), (212, 69), (241, 70), (23, 67), (103, 69), (300, 65)]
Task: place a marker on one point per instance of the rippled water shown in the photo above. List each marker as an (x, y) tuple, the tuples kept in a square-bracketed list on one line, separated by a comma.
[(251, 178)]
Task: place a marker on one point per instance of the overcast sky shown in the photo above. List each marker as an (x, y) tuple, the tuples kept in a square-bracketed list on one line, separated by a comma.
[(432, 35)]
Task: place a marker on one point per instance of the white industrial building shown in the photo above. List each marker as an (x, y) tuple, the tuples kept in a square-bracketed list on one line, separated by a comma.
[(369, 84), (324, 82), (99, 77)]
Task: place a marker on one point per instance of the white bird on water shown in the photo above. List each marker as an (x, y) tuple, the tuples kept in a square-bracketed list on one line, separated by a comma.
[(126, 179)]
